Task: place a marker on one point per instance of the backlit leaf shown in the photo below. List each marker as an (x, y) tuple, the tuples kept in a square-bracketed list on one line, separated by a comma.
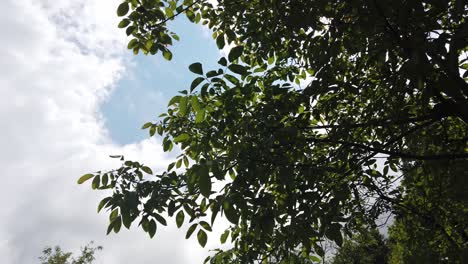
[(202, 238), (85, 177), (180, 218)]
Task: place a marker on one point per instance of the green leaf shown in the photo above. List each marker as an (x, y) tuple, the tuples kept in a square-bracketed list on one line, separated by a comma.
[(231, 35), (167, 145), (183, 106), (160, 219), (236, 68), (196, 68), (169, 12), (130, 30), (180, 218), (85, 178), (152, 228), (235, 53), (152, 131), (110, 228), (171, 208), (195, 104), (214, 212), (147, 170), (190, 231), (105, 179), (122, 9), (174, 100), (200, 117), (230, 212), (222, 61), (271, 60), (144, 224), (204, 181), (196, 82), (315, 258), (232, 79), (211, 74), (132, 43), (126, 220), (224, 236), (181, 138), (146, 125), (333, 232), (175, 36), (96, 182), (124, 23), (167, 55), (202, 238), (113, 214), (117, 224), (103, 203), (220, 41), (205, 225)]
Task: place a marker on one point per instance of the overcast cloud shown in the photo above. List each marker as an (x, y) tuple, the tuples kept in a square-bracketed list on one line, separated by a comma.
[(60, 60)]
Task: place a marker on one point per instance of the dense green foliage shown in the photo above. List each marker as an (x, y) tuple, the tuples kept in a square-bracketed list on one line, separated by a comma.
[(409, 242), (290, 164), (57, 256), (366, 247), (436, 232)]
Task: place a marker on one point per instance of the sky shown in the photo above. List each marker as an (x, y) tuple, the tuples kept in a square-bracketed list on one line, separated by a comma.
[(71, 94)]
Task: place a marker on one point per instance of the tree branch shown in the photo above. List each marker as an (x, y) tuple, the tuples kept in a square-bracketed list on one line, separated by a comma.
[(393, 153), (178, 13), (373, 123)]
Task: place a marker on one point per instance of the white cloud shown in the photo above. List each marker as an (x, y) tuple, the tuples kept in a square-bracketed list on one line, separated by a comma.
[(60, 60)]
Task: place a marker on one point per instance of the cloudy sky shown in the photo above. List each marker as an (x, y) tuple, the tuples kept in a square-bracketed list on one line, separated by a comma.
[(70, 95)]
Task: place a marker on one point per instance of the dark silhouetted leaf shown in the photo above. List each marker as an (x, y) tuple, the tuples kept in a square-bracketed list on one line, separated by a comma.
[(235, 53), (122, 9), (196, 68)]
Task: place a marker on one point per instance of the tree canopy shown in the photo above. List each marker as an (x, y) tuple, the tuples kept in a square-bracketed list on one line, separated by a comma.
[(57, 256), (308, 127), (366, 247)]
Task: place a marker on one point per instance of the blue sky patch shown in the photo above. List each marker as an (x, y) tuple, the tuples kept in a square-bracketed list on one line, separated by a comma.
[(148, 84)]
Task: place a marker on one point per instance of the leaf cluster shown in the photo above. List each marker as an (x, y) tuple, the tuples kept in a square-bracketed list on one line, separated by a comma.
[(284, 137)]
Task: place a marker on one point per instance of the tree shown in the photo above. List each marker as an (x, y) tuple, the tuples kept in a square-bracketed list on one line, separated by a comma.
[(366, 247), (430, 217), (441, 235), (57, 256), (297, 163)]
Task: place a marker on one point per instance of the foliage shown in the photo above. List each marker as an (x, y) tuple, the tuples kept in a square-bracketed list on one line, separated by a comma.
[(57, 256), (430, 223), (439, 236), (366, 247), (290, 164)]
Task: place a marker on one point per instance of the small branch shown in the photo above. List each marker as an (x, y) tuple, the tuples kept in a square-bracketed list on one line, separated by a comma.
[(178, 13), (393, 153), (373, 123)]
